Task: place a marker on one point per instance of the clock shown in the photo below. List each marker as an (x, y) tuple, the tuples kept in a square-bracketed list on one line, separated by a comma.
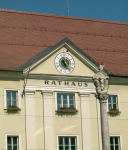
[(64, 63)]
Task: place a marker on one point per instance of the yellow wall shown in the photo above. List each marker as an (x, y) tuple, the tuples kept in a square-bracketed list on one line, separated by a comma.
[(11, 122), (63, 124), (48, 66)]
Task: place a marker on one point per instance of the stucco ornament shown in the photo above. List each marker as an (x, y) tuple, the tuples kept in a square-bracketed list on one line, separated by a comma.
[(101, 83)]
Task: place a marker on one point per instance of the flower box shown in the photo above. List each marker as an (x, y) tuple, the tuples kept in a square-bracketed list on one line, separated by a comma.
[(114, 111), (11, 107), (66, 110)]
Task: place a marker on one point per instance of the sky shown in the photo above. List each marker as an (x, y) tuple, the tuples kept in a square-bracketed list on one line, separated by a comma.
[(112, 10)]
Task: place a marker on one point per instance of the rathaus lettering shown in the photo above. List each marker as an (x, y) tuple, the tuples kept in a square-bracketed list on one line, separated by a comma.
[(66, 83)]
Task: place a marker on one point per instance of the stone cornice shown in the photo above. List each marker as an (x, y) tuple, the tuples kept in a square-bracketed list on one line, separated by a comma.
[(59, 77), (60, 89)]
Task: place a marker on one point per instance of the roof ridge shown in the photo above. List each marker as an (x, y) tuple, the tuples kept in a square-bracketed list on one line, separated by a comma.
[(65, 17)]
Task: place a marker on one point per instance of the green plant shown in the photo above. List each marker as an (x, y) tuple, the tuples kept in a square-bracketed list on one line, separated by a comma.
[(66, 110), (114, 111), (11, 107)]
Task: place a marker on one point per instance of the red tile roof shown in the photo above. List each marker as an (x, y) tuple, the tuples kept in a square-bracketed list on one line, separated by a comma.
[(24, 35)]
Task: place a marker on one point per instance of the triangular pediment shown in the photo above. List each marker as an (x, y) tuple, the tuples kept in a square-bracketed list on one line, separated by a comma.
[(63, 58)]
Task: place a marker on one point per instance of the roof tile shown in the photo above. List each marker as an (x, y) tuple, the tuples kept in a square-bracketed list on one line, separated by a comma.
[(24, 35)]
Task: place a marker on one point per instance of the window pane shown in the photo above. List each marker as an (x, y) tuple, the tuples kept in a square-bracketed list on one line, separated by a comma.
[(71, 106), (114, 106), (66, 147), (14, 140), (109, 106), (14, 103), (66, 141), (116, 140), (8, 140), (65, 103), (73, 147), (111, 140), (59, 106), (72, 141), (60, 141), (116, 147), (8, 94), (60, 147), (13, 95), (71, 96), (9, 147), (71, 102), (8, 102), (109, 99), (65, 96), (112, 147), (15, 148), (59, 103), (58, 96), (114, 99)]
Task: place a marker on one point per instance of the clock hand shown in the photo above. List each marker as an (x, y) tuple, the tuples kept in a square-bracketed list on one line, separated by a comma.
[(66, 63)]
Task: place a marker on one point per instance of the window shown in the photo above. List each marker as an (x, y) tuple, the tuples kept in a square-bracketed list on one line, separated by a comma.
[(113, 102), (115, 143), (67, 143), (12, 142), (65, 100), (11, 98)]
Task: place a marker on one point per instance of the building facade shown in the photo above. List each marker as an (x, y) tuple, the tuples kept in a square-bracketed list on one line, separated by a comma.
[(48, 102)]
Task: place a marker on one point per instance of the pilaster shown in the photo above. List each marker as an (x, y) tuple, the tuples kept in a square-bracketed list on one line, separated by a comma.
[(48, 120), (85, 113), (30, 119)]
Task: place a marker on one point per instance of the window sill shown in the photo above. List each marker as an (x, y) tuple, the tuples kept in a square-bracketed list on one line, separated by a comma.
[(66, 110), (12, 108), (114, 111)]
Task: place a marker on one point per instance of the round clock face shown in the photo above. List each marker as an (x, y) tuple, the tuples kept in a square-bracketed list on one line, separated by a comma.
[(64, 63)]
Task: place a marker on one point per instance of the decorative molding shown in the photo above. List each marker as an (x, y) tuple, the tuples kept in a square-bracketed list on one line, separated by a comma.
[(41, 60), (13, 134), (68, 135), (82, 57), (118, 135), (75, 93), (64, 43), (59, 77), (84, 94), (29, 92), (47, 92), (118, 97), (12, 89), (30, 88)]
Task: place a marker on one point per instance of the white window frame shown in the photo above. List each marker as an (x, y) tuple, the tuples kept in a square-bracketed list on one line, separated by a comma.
[(75, 98), (18, 94), (13, 135), (68, 135), (114, 94), (120, 136)]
